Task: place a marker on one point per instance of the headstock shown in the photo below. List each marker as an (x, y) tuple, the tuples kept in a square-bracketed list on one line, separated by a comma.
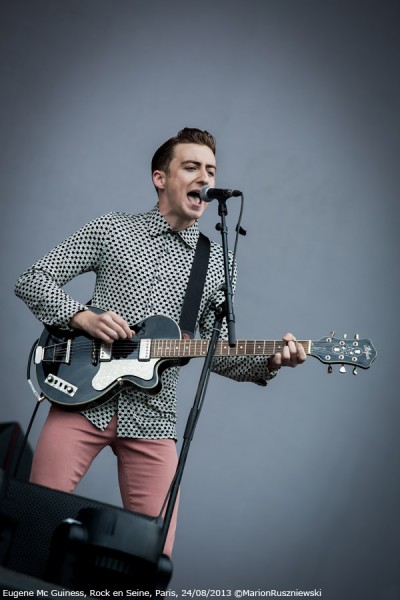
[(331, 350)]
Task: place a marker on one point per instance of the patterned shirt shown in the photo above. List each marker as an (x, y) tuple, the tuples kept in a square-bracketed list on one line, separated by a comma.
[(142, 268)]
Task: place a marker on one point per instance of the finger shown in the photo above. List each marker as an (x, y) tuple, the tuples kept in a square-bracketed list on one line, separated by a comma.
[(286, 355), (106, 338), (289, 337), (123, 325), (117, 331), (297, 354), (289, 354), (301, 353), (115, 326), (275, 361)]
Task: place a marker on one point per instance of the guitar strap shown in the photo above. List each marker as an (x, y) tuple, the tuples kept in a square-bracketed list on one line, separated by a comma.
[(194, 290)]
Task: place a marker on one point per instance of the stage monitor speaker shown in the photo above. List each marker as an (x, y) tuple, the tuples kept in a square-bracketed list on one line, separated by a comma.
[(31, 515), (11, 439)]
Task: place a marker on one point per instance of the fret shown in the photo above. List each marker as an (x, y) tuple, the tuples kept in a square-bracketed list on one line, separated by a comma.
[(259, 347), (249, 347), (224, 348), (242, 348), (156, 348)]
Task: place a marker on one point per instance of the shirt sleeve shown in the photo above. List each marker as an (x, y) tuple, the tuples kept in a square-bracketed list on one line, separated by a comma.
[(240, 368), (40, 286)]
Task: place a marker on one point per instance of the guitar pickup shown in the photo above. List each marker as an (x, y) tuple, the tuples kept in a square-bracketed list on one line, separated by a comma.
[(105, 352), (144, 349)]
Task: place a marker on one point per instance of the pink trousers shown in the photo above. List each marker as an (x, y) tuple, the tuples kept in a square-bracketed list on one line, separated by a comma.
[(68, 443)]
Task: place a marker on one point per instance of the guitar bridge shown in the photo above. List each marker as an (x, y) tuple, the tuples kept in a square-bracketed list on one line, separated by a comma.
[(56, 353)]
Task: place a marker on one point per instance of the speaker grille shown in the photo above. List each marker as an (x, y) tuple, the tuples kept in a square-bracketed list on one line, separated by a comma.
[(33, 512)]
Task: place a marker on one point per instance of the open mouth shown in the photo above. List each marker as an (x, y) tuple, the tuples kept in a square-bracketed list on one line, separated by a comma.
[(194, 197)]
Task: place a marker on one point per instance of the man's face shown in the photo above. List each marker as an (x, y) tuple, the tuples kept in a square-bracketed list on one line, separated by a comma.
[(192, 167)]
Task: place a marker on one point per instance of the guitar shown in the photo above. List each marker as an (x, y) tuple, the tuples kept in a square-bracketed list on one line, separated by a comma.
[(77, 371)]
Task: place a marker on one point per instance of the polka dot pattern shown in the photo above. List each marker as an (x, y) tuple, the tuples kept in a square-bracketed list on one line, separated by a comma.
[(142, 268)]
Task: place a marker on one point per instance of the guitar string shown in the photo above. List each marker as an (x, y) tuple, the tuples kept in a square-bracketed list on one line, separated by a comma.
[(182, 348), (171, 346), (193, 344)]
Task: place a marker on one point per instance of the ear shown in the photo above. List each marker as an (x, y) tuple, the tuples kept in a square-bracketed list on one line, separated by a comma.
[(159, 180)]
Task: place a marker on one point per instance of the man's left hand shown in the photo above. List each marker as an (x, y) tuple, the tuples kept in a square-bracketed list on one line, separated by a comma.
[(293, 354)]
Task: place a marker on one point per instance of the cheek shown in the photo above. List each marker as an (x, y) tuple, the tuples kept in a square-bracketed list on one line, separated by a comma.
[(204, 207)]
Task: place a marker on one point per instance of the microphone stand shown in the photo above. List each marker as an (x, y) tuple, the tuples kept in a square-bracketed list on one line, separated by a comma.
[(230, 315), (223, 310)]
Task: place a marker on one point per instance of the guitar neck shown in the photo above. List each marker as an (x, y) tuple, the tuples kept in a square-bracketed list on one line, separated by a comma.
[(199, 347)]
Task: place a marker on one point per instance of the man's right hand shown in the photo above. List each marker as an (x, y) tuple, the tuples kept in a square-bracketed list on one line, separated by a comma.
[(107, 326)]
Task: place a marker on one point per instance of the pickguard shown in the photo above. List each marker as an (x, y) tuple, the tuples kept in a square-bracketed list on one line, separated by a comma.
[(112, 370)]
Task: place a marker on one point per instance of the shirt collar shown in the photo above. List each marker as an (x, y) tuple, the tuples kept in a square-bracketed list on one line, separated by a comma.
[(157, 225)]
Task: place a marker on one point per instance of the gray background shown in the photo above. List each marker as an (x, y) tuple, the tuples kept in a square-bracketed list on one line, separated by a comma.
[(295, 485)]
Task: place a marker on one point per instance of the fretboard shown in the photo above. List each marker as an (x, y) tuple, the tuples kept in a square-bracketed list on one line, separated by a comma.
[(199, 347)]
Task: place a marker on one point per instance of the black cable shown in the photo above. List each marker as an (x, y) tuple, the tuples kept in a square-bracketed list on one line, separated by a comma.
[(39, 399)]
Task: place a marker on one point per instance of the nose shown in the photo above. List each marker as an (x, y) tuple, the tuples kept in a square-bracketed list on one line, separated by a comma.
[(204, 176)]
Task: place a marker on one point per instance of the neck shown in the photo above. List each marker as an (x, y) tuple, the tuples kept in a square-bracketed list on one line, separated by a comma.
[(176, 223)]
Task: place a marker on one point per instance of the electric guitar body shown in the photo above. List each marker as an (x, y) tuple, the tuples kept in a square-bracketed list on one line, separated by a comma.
[(77, 371)]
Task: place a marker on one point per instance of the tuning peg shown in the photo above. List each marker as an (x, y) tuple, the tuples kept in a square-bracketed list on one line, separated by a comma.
[(332, 334), (355, 372), (342, 369), (356, 337), (330, 369), (345, 336)]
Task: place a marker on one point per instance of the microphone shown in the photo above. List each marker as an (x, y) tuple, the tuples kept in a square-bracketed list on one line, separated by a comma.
[(207, 193)]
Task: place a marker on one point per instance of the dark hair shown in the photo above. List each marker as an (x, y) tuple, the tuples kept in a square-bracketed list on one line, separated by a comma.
[(165, 153)]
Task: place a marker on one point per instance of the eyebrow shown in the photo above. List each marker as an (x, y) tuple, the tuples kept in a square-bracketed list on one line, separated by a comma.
[(198, 164)]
